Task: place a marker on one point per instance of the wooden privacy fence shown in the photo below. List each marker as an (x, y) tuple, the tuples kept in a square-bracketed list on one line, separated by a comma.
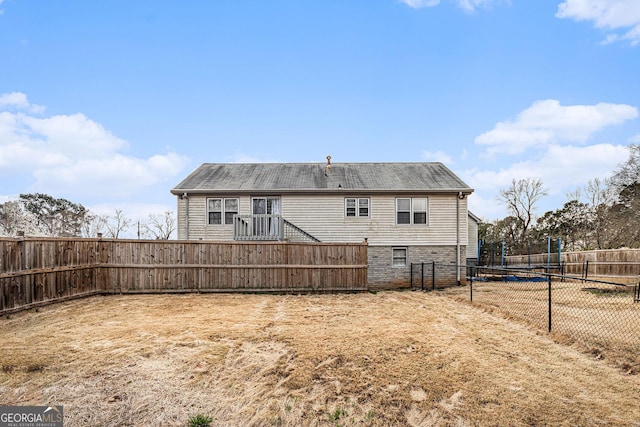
[(614, 263), (35, 271)]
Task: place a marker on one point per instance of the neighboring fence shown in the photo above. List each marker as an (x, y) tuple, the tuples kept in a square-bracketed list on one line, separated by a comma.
[(610, 263), (427, 276), (34, 271), (602, 315)]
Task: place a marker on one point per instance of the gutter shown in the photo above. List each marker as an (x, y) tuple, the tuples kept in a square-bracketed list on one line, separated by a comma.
[(341, 190)]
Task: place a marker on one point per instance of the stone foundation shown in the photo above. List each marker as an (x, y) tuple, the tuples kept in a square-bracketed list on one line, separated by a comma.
[(383, 275)]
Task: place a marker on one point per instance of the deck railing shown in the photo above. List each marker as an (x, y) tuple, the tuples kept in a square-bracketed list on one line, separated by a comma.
[(258, 227), (268, 227)]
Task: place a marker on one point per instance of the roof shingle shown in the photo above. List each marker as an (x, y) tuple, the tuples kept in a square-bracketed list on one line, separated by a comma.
[(316, 177)]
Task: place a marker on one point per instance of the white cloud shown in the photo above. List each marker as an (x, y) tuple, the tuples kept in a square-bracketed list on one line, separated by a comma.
[(561, 168), (73, 155), (19, 101), (74, 132), (437, 156), (471, 5), (609, 15), (16, 99), (486, 208), (635, 139), (115, 175), (466, 5), (547, 122), (419, 4)]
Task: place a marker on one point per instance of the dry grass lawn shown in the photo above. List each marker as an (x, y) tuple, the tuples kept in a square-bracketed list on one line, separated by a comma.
[(391, 358), (603, 319)]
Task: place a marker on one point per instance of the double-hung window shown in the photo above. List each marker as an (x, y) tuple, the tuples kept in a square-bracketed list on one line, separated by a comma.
[(356, 207), (221, 211), (412, 210)]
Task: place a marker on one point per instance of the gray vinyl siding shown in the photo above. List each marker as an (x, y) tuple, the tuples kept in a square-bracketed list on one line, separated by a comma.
[(323, 216), (472, 247), (197, 223)]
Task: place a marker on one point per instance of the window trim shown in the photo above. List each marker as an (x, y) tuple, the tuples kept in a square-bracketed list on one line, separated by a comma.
[(394, 257), (357, 207), (223, 211), (412, 212)]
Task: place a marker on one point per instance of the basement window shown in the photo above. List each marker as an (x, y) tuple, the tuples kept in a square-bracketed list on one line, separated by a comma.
[(399, 257)]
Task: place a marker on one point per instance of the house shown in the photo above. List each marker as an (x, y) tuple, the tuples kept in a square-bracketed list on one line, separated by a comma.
[(473, 244), (407, 212)]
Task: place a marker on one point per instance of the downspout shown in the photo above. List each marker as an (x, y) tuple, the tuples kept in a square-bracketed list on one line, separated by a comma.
[(460, 196), (185, 196)]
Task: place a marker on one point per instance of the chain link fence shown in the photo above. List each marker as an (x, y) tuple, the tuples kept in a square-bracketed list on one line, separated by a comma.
[(533, 251), (427, 276), (602, 316)]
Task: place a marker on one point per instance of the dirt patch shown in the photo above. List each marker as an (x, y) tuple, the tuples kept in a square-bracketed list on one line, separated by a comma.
[(403, 358)]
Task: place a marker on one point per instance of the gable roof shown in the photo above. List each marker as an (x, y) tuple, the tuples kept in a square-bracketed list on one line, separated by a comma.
[(317, 177), (475, 217)]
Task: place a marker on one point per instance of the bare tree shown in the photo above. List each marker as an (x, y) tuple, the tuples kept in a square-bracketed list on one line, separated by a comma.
[(521, 198), (600, 198), (93, 225), (160, 227), (117, 224), (628, 172), (598, 192)]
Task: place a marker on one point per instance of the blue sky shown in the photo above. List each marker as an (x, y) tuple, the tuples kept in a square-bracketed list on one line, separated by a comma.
[(112, 103)]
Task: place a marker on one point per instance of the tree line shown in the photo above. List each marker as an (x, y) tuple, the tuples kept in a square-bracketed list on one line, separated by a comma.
[(603, 214), (38, 214)]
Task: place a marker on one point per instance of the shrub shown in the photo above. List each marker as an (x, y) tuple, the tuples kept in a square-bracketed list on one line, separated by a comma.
[(200, 421)]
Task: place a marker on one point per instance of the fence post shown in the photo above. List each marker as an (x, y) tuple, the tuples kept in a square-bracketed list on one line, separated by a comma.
[(548, 254), (471, 286), (492, 254), (422, 277), (586, 270), (433, 275), (549, 278), (411, 275)]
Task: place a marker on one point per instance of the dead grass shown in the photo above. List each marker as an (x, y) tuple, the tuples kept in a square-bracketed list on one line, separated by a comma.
[(601, 319), (392, 358)]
